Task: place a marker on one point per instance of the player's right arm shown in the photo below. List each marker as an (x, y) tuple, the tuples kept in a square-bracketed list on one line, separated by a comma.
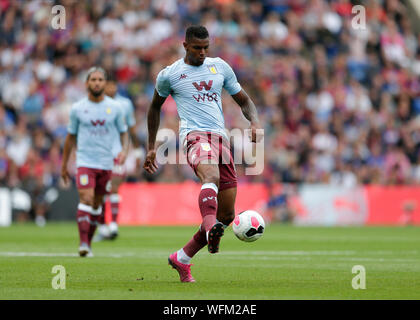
[(69, 143), (162, 91), (153, 121)]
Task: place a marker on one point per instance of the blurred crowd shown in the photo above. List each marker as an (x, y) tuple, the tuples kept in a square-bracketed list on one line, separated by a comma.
[(339, 104)]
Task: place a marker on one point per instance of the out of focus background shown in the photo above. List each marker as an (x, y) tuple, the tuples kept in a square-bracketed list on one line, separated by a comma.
[(340, 105)]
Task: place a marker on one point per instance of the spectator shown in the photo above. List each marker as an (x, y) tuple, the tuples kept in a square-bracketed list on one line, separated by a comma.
[(338, 105)]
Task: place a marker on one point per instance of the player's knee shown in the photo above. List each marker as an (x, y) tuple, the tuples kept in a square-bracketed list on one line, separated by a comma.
[(208, 174), (212, 177)]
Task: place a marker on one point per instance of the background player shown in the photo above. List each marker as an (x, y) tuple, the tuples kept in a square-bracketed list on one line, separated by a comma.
[(95, 122), (119, 170), (195, 82)]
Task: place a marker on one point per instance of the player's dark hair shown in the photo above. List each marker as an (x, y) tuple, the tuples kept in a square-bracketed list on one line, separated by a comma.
[(94, 69), (199, 32), (111, 79)]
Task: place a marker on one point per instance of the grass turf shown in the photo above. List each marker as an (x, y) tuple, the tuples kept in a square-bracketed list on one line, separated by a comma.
[(286, 263)]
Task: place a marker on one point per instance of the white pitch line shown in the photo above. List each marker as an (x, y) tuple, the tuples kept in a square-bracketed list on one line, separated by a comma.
[(56, 254), (260, 254), (330, 258), (289, 253), (37, 254), (315, 253)]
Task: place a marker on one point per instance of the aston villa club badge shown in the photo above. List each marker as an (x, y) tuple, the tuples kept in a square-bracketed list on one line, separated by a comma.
[(212, 68), (84, 180)]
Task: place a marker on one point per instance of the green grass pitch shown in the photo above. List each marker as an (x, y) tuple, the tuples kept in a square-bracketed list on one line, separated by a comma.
[(288, 262)]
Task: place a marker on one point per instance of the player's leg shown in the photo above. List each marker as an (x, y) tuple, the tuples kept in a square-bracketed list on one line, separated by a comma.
[(203, 150), (110, 232), (207, 200), (102, 187), (226, 206), (115, 199), (225, 215), (228, 188), (95, 216), (85, 181), (84, 211), (103, 230), (225, 198), (209, 177), (203, 157)]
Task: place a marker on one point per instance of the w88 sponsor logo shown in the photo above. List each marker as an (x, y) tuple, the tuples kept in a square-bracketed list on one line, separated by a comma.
[(206, 96)]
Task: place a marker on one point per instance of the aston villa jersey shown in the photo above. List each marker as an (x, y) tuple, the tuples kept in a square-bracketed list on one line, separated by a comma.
[(96, 125), (197, 91)]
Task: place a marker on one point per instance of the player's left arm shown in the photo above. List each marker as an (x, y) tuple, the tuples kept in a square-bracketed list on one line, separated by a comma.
[(131, 123), (125, 143), (133, 137), (134, 140), (124, 137), (250, 112)]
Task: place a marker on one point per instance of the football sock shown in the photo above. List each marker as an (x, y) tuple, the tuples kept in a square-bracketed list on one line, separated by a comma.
[(115, 199), (95, 216), (197, 242), (207, 201), (83, 222), (183, 257)]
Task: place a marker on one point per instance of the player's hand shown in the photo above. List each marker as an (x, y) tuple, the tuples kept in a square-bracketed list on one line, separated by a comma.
[(122, 156), (256, 133), (150, 164), (65, 176)]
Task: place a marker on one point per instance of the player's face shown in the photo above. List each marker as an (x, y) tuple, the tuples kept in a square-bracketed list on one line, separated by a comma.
[(197, 50), (110, 89), (96, 83)]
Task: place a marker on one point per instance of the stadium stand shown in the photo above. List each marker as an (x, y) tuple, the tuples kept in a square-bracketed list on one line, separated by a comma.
[(339, 105)]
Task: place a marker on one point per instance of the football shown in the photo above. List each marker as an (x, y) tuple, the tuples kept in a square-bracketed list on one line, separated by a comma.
[(248, 226)]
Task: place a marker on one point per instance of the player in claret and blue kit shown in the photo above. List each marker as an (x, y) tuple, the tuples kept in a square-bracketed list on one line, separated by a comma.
[(196, 82), (94, 123)]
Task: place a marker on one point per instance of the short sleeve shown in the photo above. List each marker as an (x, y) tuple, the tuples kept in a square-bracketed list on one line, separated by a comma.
[(230, 82), (73, 121), (163, 87)]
